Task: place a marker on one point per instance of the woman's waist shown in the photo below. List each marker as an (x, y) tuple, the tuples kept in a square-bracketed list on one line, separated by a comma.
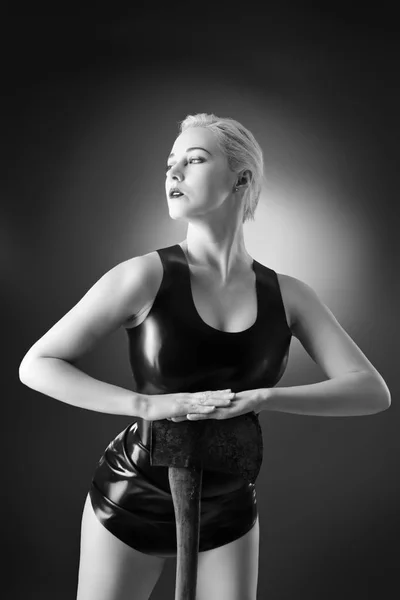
[(129, 457), (218, 475), (142, 428)]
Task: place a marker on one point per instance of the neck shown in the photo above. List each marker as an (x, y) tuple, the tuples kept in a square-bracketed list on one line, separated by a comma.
[(223, 256)]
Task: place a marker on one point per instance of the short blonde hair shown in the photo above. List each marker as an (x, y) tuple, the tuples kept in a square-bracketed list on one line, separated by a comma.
[(241, 149)]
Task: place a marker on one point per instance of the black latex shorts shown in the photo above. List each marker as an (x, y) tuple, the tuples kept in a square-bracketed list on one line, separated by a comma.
[(132, 499)]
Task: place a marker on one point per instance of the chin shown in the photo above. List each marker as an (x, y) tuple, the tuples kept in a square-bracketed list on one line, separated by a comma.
[(178, 212), (175, 217)]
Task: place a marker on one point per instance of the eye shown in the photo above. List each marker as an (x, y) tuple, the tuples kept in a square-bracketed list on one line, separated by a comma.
[(193, 158)]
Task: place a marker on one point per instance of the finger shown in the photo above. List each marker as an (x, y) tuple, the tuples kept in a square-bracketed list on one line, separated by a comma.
[(200, 410), (204, 396), (202, 416), (214, 399), (204, 410), (197, 417), (178, 418)]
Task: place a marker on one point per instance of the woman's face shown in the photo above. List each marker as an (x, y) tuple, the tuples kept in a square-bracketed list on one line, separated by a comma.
[(200, 170)]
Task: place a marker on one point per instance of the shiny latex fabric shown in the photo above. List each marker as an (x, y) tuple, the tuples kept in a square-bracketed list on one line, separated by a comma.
[(174, 350)]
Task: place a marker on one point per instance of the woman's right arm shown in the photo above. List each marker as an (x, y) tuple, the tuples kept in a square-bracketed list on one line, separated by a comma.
[(48, 365)]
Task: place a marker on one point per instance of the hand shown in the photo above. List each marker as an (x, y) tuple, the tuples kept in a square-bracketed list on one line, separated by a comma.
[(243, 402), (171, 406)]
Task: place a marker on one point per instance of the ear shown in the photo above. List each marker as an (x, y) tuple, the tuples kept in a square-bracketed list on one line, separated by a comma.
[(244, 178)]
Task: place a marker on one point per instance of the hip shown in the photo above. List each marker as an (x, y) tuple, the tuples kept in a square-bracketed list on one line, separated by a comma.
[(125, 470)]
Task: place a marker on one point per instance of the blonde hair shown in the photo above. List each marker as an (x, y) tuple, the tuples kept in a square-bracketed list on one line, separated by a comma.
[(241, 149)]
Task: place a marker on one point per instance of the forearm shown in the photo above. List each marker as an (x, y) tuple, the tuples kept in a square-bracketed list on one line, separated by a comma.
[(63, 381), (349, 395)]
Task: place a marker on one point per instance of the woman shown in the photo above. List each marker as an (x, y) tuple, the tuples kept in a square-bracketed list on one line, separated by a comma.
[(201, 316)]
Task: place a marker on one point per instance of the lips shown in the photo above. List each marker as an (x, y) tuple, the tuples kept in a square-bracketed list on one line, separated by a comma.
[(175, 193)]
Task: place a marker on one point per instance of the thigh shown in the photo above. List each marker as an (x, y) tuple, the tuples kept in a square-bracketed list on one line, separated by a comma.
[(109, 569), (230, 572)]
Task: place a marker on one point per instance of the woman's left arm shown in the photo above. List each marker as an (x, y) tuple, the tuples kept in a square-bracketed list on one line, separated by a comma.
[(354, 387)]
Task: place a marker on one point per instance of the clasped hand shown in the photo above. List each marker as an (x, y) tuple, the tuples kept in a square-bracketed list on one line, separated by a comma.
[(222, 405)]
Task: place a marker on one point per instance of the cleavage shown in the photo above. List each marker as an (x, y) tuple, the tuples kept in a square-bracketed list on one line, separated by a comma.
[(231, 309)]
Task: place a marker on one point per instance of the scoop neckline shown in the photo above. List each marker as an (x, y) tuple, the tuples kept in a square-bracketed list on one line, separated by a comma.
[(196, 312)]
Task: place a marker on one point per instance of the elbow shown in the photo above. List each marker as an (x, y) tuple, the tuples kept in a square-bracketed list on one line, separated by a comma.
[(383, 404), (386, 400), (25, 369), (374, 392), (382, 395), (23, 373)]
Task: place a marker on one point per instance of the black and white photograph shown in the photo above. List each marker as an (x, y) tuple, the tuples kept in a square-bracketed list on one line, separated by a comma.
[(199, 249)]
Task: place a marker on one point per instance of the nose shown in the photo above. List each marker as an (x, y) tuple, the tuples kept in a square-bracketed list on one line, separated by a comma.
[(175, 173)]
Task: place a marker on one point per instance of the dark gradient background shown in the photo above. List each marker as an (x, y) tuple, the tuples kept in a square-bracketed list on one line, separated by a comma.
[(91, 106)]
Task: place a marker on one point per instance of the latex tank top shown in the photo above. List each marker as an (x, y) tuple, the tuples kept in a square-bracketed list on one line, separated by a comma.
[(174, 350)]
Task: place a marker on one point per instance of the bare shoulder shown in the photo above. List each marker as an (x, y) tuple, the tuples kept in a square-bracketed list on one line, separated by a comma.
[(134, 282), (287, 286), (297, 297), (143, 275)]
